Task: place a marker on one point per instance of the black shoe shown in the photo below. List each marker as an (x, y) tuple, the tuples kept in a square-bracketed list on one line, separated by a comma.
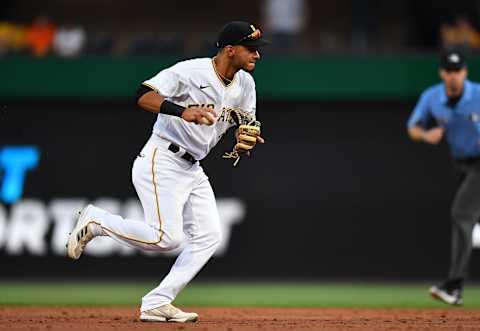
[(449, 296)]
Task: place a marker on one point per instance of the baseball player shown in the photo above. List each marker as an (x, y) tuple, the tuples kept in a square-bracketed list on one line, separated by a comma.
[(451, 109), (193, 99)]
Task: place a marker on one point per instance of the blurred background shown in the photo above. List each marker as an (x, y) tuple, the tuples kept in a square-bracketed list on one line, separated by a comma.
[(338, 192), (186, 28)]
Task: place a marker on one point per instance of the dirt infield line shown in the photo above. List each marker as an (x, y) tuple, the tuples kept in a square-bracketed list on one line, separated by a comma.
[(72, 318)]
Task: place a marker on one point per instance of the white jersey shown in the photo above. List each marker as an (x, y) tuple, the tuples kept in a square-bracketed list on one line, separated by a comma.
[(196, 82)]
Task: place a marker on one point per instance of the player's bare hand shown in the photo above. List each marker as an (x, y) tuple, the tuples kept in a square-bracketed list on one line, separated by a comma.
[(200, 115), (433, 136)]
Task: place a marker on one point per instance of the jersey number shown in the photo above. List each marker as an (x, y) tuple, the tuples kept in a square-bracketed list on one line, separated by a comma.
[(209, 105)]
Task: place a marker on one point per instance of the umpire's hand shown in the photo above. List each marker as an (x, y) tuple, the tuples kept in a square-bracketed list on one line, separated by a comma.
[(433, 136)]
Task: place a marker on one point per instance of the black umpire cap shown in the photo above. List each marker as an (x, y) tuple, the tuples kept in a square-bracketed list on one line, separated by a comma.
[(452, 60), (240, 33)]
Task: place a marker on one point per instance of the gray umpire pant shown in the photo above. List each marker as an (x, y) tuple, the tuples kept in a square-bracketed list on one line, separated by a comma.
[(465, 213)]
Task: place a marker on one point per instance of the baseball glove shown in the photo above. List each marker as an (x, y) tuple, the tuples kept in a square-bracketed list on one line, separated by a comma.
[(246, 135)]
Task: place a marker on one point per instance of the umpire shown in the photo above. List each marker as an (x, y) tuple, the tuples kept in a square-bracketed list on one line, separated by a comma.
[(453, 107)]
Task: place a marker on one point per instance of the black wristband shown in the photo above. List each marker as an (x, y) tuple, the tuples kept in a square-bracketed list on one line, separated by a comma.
[(171, 108)]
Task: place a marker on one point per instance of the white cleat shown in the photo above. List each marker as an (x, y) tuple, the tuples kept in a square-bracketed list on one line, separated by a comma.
[(167, 313), (451, 297), (80, 235)]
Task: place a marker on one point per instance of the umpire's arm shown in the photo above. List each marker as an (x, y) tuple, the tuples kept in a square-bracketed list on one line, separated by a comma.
[(431, 136), (418, 120)]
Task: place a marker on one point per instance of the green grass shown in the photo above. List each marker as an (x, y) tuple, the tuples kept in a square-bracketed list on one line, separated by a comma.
[(232, 294)]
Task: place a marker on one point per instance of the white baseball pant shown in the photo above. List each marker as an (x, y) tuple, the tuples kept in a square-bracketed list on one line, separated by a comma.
[(177, 198)]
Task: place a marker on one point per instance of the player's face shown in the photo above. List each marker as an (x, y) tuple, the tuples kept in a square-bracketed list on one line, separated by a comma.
[(246, 57), (453, 80)]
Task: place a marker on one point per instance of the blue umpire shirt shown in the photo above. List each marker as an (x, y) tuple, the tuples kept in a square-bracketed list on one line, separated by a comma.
[(461, 122)]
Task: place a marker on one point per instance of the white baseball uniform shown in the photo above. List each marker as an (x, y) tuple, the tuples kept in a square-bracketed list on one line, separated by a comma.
[(175, 193)]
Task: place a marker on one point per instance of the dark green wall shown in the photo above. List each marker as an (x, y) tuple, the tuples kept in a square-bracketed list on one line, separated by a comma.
[(320, 78)]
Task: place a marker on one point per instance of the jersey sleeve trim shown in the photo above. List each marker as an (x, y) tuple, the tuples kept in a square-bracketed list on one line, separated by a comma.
[(150, 86)]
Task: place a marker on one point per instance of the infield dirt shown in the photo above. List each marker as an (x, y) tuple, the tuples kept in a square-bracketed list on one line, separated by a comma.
[(71, 318)]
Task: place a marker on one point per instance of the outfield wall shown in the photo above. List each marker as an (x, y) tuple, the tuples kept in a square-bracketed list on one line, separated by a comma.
[(337, 191), (334, 78)]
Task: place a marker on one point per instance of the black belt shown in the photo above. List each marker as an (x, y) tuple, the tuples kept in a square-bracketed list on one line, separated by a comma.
[(186, 156)]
